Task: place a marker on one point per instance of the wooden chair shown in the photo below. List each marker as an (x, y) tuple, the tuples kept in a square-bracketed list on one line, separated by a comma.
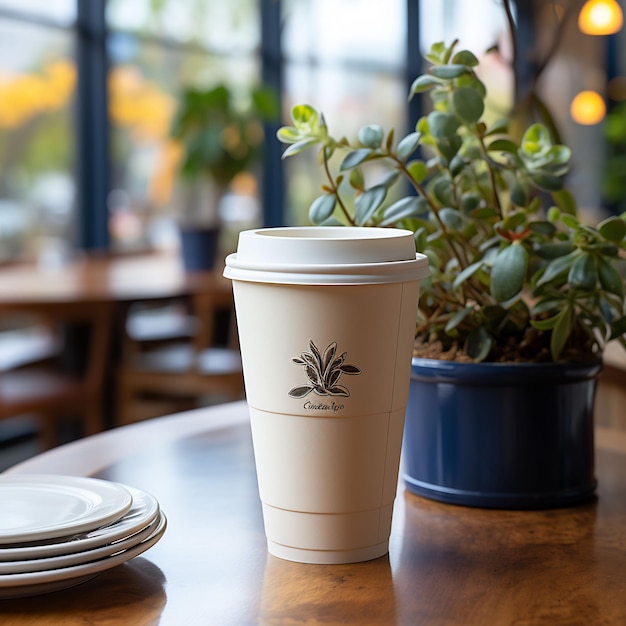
[(160, 373), (50, 390), (25, 342)]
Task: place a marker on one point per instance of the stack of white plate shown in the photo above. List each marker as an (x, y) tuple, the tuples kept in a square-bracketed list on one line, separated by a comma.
[(59, 531)]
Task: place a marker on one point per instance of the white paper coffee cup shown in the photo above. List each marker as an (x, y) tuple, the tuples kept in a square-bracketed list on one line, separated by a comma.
[(326, 320)]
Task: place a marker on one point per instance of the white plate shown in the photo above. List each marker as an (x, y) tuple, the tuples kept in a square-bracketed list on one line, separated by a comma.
[(143, 511), (34, 583), (36, 507), (66, 560)]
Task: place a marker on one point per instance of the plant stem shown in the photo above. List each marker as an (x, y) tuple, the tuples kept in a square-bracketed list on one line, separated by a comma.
[(492, 175), (335, 189), (431, 205)]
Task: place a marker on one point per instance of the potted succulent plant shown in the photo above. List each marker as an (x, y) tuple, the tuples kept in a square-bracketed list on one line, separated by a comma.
[(221, 133), (523, 294)]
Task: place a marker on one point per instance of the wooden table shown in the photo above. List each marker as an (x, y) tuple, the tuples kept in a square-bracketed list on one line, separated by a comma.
[(447, 565), (105, 278)]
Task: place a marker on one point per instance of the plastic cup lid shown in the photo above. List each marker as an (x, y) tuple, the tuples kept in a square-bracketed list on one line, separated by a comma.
[(326, 255)]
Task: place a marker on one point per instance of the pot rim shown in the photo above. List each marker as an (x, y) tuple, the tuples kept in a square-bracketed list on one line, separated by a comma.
[(496, 374)]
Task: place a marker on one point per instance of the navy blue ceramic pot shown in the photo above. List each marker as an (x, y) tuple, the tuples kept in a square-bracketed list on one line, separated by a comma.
[(199, 247), (516, 436)]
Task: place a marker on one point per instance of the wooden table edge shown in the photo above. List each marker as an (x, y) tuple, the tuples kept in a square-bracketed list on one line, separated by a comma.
[(90, 455)]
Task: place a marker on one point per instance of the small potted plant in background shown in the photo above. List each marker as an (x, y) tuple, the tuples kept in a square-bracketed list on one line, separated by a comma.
[(522, 299), (221, 133)]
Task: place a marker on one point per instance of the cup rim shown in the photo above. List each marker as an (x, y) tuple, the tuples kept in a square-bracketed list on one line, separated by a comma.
[(324, 274)]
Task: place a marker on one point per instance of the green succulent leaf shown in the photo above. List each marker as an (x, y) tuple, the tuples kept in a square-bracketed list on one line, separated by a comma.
[(560, 332), (322, 208), (442, 189), (558, 267), (468, 104), (503, 145), (608, 249), (514, 220), (288, 134), (418, 170), (450, 147), (354, 158), (610, 278), (470, 203), (408, 145), (443, 125), (368, 203), (465, 57), (547, 324), (424, 83), (554, 250), (436, 53), (570, 221), (357, 180), (456, 165), (519, 197), (471, 80), (618, 328), (478, 344), (536, 141), (457, 318), (583, 273), (508, 272), (300, 146), (547, 182), (484, 213), (543, 228), (452, 218), (464, 274), (565, 201), (558, 157), (371, 135), (305, 118), (613, 229), (420, 238), (499, 127), (554, 214), (411, 206), (389, 179), (449, 71), (547, 305)]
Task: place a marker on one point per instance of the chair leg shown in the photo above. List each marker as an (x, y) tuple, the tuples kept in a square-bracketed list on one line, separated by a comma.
[(125, 402), (47, 435), (93, 419)]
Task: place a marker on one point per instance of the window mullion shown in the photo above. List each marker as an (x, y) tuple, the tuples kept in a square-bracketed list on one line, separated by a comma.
[(273, 184), (92, 156)]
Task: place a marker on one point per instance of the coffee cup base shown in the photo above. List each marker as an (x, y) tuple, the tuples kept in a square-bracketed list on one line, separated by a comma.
[(327, 557)]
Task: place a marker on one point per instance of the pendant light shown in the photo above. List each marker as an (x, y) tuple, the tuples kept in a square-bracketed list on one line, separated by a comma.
[(588, 108), (600, 17)]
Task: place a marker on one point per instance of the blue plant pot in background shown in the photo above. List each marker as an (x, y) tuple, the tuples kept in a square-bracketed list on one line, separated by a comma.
[(516, 436), (199, 247)]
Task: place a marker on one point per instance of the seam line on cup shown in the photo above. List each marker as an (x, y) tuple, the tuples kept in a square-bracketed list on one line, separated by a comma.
[(280, 508)]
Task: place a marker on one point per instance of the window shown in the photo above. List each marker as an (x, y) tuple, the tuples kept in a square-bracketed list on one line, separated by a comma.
[(351, 59), (347, 59), (37, 139), (156, 50)]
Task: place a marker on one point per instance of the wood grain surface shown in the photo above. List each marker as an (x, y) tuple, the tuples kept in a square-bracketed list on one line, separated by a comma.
[(447, 565)]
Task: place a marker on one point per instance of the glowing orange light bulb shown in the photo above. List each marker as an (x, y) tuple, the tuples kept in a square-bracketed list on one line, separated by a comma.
[(588, 108), (600, 17)]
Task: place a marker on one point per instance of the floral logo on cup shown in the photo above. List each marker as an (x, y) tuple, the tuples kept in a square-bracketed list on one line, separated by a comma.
[(323, 372)]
